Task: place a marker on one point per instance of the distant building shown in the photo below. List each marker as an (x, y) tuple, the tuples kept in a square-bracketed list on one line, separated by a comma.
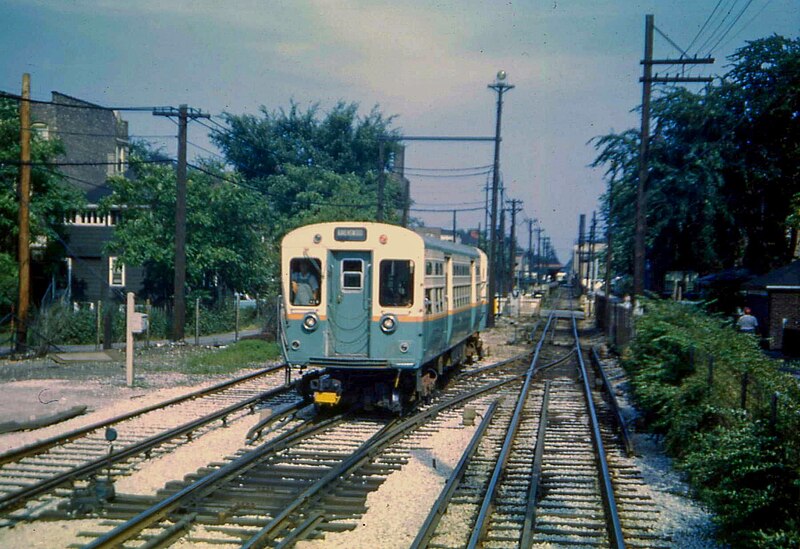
[(96, 140), (586, 264)]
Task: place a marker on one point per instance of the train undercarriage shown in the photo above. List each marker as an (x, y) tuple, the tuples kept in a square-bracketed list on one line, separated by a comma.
[(392, 389)]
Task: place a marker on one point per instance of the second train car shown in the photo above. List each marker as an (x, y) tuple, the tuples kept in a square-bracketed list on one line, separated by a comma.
[(379, 311)]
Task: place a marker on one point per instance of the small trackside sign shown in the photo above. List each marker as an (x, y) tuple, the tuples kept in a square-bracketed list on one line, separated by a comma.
[(350, 234)]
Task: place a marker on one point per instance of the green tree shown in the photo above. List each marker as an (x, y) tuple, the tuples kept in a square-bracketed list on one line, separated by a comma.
[(228, 242), (723, 168), (52, 198), (313, 168), (341, 141)]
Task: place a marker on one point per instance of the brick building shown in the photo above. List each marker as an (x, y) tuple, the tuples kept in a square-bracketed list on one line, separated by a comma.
[(97, 138), (775, 301)]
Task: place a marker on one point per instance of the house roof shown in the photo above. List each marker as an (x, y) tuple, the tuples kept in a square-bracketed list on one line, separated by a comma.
[(783, 278)]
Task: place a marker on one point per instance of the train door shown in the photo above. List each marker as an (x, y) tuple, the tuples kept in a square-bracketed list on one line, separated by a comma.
[(349, 306)]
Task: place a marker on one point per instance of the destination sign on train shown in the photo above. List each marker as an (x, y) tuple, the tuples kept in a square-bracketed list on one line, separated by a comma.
[(350, 234)]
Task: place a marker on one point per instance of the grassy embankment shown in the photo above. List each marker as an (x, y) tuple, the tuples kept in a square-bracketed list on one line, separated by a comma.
[(729, 416)]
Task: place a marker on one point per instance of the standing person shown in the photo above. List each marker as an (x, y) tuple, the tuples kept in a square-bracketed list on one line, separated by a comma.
[(747, 323)]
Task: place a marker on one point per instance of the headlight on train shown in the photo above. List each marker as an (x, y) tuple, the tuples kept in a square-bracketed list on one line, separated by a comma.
[(388, 324), (310, 322)]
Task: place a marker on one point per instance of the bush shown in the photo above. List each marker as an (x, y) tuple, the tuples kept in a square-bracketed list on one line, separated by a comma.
[(687, 372)]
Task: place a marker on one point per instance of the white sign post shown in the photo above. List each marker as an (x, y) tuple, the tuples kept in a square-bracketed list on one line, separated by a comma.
[(129, 312), (136, 323)]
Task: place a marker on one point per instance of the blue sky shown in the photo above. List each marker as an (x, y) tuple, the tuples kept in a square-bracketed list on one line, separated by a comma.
[(575, 65)]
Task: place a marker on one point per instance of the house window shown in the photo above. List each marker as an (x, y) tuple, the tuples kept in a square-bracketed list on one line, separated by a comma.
[(116, 272), (121, 158), (41, 130)]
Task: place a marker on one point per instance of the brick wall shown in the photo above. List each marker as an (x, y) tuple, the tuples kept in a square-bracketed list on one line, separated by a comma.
[(783, 305)]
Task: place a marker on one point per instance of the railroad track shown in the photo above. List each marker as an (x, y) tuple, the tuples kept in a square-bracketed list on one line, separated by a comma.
[(31, 476), (560, 479), (308, 480)]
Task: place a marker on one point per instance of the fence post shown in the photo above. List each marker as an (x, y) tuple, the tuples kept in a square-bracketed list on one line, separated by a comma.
[(710, 372), (130, 307), (197, 321), (745, 380), (98, 324)]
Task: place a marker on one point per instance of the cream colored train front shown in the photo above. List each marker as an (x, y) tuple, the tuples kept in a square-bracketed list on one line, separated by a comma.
[(382, 309)]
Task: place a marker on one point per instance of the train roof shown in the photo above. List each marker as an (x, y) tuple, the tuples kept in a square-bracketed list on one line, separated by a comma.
[(450, 247), (429, 242)]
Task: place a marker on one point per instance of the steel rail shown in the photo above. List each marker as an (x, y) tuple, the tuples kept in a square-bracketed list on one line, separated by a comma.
[(366, 451), (496, 365), (41, 446), (481, 522), (16, 499), (528, 526), (627, 440), (429, 526), (615, 535), (205, 485)]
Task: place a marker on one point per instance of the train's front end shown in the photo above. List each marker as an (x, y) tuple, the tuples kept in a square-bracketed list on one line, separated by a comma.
[(352, 306)]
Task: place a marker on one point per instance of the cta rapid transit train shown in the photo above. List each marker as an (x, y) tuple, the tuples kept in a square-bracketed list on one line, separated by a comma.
[(381, 310)]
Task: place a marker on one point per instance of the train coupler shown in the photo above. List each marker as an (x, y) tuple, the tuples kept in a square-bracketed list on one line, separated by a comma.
[(326, 390)]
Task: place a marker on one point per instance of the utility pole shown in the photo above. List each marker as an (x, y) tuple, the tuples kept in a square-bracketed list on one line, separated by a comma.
[(592, 274), (647, 81), (184, 113), (500, 86), (454, 226), (501, 248), (538, 253), (24, 196), (486, 213), (581, 232), (381, 179), (512, 255), (530, 250)]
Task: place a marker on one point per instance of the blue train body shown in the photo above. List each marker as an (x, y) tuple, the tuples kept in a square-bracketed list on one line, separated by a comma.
[(382, 309)]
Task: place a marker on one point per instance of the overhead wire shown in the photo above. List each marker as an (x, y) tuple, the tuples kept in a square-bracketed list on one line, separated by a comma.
[(713, 34), (705, 24), (730, 27), (747, 24), (88, 106)]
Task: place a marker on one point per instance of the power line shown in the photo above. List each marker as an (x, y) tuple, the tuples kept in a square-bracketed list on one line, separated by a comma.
[(446, 210), (436, 176), (195, 145), (713, 34), (747, 24), (473, 168), (273, 195), (89, 134), (19, 163), (705, 24), (730, 27), (88, 106)]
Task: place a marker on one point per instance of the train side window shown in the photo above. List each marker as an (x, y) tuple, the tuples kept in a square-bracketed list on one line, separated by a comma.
[(396, 283), (305, 277), (352, 274)]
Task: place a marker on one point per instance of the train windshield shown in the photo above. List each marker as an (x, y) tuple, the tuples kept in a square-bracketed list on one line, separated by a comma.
[(396, 284), (305, 277)]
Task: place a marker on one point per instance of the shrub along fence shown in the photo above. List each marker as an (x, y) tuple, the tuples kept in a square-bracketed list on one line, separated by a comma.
[(83, 323), (729, 416)]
